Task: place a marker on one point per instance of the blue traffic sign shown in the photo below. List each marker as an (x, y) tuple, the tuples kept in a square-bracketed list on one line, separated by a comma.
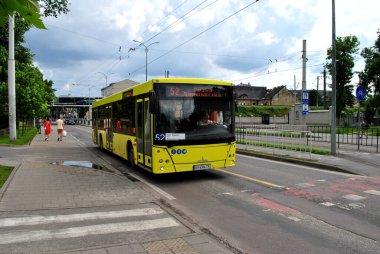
[(360, 93), (305, 102)]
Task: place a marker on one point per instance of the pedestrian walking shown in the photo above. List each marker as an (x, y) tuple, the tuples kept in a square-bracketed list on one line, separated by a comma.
[(60, 125), (364, 128), (40, 125), (47, 126)]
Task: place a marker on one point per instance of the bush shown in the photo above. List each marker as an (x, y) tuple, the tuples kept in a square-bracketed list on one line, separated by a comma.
[(254, 110)]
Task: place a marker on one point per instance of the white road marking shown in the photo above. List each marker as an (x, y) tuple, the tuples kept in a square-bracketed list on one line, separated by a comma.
[(353, 197), (327, 204), (38, 235), (305, 185), (374, 192), (356, 205), (35, 220), (295, 165), (293, 218)]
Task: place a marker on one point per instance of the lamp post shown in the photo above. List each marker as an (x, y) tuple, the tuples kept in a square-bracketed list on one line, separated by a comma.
[(146, 55), (105, 76)]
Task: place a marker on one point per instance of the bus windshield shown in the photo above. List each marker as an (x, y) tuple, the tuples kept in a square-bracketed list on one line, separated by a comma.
[(193, 114)]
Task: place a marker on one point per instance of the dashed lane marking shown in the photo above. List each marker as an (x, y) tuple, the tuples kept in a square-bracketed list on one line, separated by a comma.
[(327, 204), (373, 192), (305, 185), (353, 197)]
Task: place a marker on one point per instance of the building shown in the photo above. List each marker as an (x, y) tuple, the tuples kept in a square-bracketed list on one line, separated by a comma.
[(258, 95), (117, 87)]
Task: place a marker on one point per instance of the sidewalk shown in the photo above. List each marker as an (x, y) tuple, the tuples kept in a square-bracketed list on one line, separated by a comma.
[(356, 162), (46, 206)]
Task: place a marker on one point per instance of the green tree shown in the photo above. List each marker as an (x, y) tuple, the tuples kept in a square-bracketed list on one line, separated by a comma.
[(315, 97), (33, 93), (346, 49), (29, 10), (370, 78)]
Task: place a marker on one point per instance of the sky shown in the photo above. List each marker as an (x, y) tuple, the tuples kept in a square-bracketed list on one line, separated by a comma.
[(240, 41)]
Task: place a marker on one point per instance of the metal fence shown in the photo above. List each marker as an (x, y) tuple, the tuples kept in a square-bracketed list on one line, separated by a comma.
[(307, 138)]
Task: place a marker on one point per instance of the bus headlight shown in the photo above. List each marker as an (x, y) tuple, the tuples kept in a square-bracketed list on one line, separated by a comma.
[(162, 168)]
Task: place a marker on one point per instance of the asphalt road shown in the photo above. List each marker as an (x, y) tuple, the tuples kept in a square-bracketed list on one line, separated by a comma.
[(265, 206)]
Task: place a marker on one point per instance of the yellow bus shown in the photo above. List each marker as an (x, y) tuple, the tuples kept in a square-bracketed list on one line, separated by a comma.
[(169, 125)]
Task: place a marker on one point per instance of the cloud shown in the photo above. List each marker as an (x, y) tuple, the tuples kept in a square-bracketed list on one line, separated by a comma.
[(206, 43)]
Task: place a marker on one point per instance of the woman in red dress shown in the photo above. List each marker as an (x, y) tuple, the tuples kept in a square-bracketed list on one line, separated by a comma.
[(47, 126)]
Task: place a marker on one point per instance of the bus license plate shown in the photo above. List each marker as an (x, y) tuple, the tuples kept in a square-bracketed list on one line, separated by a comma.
[(202, 167)]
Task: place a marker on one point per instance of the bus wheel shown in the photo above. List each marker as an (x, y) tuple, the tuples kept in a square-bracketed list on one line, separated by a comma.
[(131, 157)]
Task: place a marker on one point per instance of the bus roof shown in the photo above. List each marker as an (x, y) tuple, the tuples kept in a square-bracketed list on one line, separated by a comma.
[(148, 86)]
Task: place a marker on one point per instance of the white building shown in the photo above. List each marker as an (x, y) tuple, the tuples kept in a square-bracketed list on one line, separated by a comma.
[(117, 87)]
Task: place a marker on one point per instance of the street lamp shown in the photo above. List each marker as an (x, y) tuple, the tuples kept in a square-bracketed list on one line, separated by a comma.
[(105, 76), (89, 94), (146, 55)]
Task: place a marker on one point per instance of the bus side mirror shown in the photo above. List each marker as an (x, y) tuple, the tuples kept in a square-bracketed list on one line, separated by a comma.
[(153, 103)]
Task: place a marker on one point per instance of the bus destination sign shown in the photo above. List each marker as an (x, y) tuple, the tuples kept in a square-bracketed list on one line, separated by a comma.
[(195, 91)]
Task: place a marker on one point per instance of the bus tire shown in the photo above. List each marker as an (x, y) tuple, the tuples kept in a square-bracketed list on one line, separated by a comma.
[(131, 157)]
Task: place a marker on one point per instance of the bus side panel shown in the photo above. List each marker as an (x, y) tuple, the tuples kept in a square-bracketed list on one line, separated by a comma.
[(120, 142)]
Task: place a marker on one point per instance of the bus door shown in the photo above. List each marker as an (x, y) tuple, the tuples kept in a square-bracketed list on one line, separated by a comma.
[(144, 139), (109, 131)]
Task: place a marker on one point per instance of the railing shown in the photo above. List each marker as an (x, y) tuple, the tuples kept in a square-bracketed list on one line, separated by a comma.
[(351, 136), (307, 138)]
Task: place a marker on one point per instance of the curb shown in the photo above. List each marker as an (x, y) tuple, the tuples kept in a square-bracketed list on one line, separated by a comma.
[(295, 161), (4, 188)]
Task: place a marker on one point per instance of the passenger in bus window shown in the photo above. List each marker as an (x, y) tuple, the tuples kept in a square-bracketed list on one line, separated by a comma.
[(118, 125), (205, 120)]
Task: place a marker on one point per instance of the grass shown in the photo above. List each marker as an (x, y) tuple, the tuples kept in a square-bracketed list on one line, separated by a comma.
[(277, 155), (4, 174), (287, 147), (23, 137)]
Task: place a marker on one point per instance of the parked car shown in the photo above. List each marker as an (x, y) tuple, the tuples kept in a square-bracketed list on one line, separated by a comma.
[(69, 121)]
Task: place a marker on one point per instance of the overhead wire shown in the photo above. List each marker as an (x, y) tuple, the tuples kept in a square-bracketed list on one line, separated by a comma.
[(183, 18), (278, 71), (197, 35)]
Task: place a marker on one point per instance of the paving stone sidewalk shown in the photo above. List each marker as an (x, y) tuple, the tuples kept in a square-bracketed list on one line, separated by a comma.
[(39, 186)]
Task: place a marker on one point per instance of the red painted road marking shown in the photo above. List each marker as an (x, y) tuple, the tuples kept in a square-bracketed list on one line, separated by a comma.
[(274, 206)]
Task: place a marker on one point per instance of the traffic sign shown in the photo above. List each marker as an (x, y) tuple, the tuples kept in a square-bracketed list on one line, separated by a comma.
[(360, 93), (305, 102)]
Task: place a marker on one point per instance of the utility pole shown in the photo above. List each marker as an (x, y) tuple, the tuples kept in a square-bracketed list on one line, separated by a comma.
[(317, 89), (324, 89), (12, 81), (295, 89), (304, 59), (333, 76)]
